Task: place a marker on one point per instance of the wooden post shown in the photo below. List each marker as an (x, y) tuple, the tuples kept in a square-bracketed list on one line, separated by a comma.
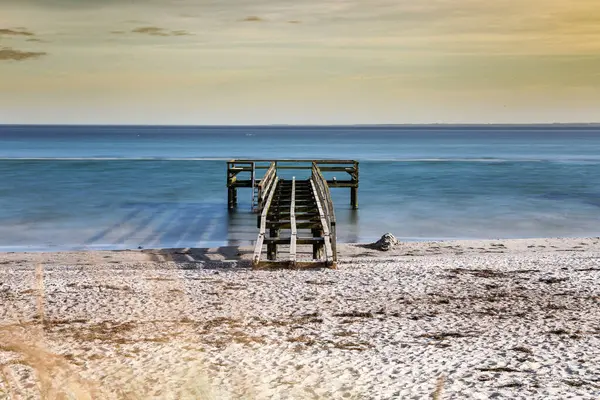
[(272, 247), (231, 197), (333, 237), (253, 184), (354, 197), (354, 189), (317, 247)]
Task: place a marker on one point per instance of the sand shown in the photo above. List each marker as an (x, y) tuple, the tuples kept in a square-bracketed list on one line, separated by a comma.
[(516, 319)]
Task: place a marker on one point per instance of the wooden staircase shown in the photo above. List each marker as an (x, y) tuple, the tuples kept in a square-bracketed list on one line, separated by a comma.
[(296, 213)]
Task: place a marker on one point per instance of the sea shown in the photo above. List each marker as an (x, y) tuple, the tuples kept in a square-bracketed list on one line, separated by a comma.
[(126, 187)]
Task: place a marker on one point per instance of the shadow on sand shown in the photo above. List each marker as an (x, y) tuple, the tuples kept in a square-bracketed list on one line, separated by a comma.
[(206, 258), (226, 257)]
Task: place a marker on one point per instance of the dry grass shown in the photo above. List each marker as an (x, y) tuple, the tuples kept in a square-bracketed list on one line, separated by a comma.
[(311, 318), (234, 337), (553, 280), (511, 385), (104, 331), (439, 388), (522, 349), (234, 286), (559, 331), (30, 370), (222, 321), (108, 332), (159, 278), (355, 314), (343, 334), (359, 346), (101, 287), (480, 273), (54, 376), (302, 339), (499, 369), (243, 338), (443, 335), (316, 282), (341, 345)]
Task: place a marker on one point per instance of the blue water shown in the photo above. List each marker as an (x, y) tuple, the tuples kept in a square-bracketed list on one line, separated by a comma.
[(122, 187)]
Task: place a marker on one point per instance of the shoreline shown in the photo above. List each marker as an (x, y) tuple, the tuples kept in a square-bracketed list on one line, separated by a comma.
[(517, 318), (404, 243)]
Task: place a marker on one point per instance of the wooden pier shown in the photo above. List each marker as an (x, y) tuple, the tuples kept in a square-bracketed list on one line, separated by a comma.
[(293, 212)]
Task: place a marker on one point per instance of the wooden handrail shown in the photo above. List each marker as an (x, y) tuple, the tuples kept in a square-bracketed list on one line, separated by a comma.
[(263, 225), (245, 161), (293, 229), (321, 189), (266, 183), (329, 257), (271, 172)]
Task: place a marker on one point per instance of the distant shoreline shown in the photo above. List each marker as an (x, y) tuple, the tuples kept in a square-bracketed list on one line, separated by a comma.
[(396, 126)]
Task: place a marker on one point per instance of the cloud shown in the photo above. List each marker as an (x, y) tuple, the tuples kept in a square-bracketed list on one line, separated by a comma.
[(16, 32), (156, 31), (37, 40), (180, 33), (9, 54), (49, 4), (252, 18), (151, 30)]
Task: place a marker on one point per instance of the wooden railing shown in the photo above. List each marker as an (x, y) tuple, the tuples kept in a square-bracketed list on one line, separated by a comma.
[(270, 193), (293, 228), (238, 170), (266, 183), (326, 211), (271, 220)]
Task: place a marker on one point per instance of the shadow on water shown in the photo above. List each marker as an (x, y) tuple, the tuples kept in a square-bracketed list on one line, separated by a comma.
[(193, 225), (141, 224), (176, 225), (103, 233), (590, 199)]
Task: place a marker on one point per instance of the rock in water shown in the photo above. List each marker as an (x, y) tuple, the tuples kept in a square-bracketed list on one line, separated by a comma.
[(387, 242)]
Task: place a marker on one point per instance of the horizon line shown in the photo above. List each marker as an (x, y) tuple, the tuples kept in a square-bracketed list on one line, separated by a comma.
[(546, 124)]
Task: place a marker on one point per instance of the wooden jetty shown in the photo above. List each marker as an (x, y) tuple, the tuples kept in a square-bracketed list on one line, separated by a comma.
[(293, 212)]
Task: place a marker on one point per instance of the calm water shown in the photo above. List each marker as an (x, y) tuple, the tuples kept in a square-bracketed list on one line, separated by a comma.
[(123, 187)]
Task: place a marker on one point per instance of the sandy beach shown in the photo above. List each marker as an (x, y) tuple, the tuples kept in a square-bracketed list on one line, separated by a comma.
[(516, 319)]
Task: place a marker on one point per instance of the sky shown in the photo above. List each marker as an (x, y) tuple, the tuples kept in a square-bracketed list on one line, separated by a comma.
[(299, 61)]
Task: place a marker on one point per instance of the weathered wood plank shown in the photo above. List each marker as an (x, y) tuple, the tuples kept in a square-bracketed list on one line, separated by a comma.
[(299, 240), (285, 264), (352, 162), (294, 231), (328, 252), (299, 225), (263, 226), (258, 249), (265, 185), (324, 196)]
